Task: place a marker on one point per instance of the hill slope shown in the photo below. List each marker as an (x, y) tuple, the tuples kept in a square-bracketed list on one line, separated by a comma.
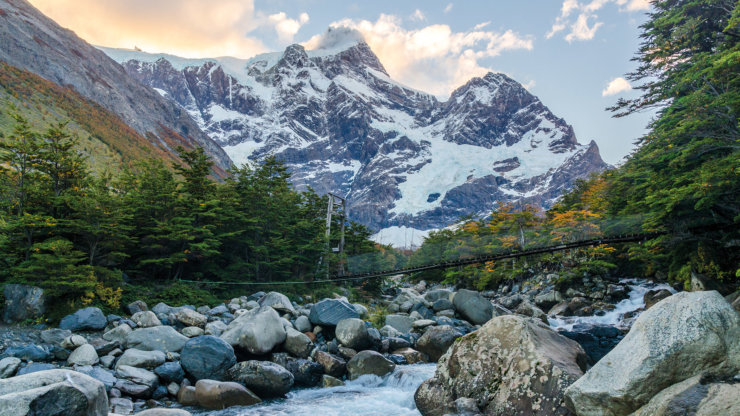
[(32, 42)]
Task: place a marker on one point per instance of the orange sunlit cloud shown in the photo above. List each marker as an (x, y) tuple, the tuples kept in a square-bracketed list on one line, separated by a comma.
[(188, 28)]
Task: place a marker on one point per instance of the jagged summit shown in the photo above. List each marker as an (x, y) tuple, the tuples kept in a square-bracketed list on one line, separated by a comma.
[(404, 159)]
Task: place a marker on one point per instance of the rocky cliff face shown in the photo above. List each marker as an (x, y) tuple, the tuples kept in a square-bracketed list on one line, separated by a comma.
[(32, 42), (402, 157)]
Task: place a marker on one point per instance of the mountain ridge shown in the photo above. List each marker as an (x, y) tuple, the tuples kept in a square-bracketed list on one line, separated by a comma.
[(402, 157)]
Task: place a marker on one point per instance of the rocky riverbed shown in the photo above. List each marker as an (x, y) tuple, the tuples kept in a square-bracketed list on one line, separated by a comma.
[(263, 354)]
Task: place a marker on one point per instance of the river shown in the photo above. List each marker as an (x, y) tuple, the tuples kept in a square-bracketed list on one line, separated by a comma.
[(367, 396), (393, 395)]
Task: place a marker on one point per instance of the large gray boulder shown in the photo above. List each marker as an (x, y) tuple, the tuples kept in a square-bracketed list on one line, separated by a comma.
[(265, 378), (369, 362), (145, 319), (698, 396), (207, 357), (87, 319), (329, 312), (55, 336), (257, 331), (133, 357), (279, 302), (23, 302), (190, 317), (297, 343), (213, 394), (512, 365), (83, 355), (9, 366), (118, 334), (681, 336), (437, 340), (473, 306), (401, 323), (160, 338), (53, 392), (353, 333)]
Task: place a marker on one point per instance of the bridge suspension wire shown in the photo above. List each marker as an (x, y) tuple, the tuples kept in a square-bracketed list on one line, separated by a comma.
[(625, 238)]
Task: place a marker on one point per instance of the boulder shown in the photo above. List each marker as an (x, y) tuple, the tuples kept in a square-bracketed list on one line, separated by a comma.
[(207, 357), (192, 331), (411, 355), (186, 396), (170, 372), (53, 392), (122, 406), (23, 302), (138, 376), (302, 324), (133, 357), (511, 365), (55, 336), (434, 295), (73, 341), (35, 368), (305, 373), (83, 355), (527, 309), (678, 338), (437, 340), (401, 323), (369, 362), (442, 304), (87, 319), (215, 328), (265, 378), (9, 366), (329, 312), (473, 306), (145, 319), (136, 306), (160, 338), (329, 381), (279, 302), (217, 395), (104, 376), (190, 317), (118, 334), (333, 365), (694, 396), (297, 343), (548, 300), (352, 333), (257, 331), (654, 296), (28, 352)]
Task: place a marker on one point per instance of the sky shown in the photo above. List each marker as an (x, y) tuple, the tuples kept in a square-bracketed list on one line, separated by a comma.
[(571, 54)]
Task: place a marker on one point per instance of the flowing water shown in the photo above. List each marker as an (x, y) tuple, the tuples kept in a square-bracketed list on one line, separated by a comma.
[(367, 396), (615, 317)]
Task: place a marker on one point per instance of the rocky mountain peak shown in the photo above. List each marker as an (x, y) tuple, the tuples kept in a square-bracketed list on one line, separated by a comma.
[(404, 159)]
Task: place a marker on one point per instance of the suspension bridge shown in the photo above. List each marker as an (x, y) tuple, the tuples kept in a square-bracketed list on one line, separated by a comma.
[(480, 259)]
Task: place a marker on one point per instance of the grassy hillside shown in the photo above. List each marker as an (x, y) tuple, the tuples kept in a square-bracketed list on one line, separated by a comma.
[(104, 137)]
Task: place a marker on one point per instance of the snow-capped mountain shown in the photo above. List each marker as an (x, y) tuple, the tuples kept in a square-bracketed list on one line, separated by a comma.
[(404, 159)]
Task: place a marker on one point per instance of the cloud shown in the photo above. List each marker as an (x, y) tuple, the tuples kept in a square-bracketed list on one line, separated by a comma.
[(285, 27), (433, 58), (418, 16), (188, 28), (616, 86), (634, 5), (579, 28), (448, 8)]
